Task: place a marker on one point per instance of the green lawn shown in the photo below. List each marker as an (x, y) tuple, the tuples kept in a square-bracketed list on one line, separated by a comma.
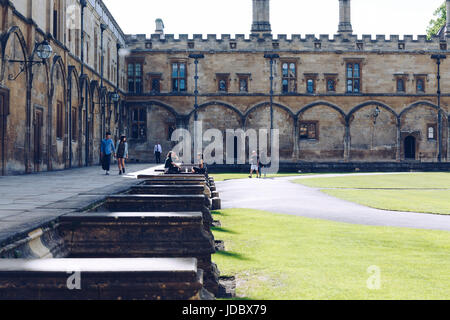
[(287, 257), (415, 192), (440, 180), (231, 176)]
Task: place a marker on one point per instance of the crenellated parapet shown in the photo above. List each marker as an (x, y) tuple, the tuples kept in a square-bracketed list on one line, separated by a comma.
[(282, 43)]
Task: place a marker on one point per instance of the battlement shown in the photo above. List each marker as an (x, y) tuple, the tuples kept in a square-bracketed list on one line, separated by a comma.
[(281, 42)]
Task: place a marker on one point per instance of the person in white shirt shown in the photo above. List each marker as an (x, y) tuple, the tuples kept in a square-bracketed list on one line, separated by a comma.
[(158, 152)]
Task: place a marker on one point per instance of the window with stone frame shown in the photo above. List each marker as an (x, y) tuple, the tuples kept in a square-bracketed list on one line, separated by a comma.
[(330, 81), (135, 84), (59, 120), (243, 82), (353, 75), (56, 20), (311, 82), (179, 76), (401, 80), (289, 76), (401, 85), (139, 123), (223, 80), (420, 83), (432, 131), (309, 130)]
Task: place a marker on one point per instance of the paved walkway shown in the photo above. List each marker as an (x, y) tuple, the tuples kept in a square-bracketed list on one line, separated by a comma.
[(282, 196), (28, 201)]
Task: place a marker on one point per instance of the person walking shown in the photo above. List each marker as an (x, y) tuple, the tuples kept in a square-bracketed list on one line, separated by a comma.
[(260, 167), (106, 151), (158, 152), (254, 164), (122, 154)]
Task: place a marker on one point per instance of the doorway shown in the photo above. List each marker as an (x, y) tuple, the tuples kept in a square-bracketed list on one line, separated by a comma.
[(38, 125), (410, 148), (4, 111)]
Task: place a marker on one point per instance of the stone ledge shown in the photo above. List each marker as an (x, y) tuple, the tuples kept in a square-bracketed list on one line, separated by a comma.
[(101, 279)]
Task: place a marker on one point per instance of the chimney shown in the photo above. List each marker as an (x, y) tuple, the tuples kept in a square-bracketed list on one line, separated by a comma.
[(159, 27), (345, 17), (261, 17)]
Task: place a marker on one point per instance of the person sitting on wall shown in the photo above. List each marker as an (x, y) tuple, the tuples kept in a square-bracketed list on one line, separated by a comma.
[(170, 166), (201, 169)]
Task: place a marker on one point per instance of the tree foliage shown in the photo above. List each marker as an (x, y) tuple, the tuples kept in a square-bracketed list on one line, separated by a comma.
[(439, 20)]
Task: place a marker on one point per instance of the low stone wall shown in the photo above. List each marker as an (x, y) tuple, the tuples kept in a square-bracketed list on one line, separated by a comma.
[(152, 221)]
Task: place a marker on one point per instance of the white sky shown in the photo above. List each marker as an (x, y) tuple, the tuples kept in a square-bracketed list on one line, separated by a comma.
[(287, 16)]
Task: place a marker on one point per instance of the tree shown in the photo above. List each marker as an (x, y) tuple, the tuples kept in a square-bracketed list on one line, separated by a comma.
[(439, 21)]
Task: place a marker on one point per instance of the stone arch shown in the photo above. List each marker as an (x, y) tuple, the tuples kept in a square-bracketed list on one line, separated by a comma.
[(373, 138), (258, 117), (217, 115), (13, 33), (414, 121), (95, 120), (418, 104), (83, 116), (58, 108), (169, 108), (322, 103), (75, 116), (217, 103), (264, 104), (14, 77), (161, 122), (370, 103), (328, 120)]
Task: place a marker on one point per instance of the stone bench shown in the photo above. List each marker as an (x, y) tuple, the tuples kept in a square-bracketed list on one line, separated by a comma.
[(146, 234), (157, 203), (100, 279)]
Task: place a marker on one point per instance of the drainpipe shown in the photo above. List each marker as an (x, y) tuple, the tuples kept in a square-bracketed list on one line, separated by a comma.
[(116, 103)]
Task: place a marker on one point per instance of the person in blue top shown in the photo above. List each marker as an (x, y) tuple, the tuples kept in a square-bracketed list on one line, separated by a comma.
[(107, 150)]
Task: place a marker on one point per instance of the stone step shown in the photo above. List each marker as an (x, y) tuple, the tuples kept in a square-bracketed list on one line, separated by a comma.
[(168, 189), (174, 181), (146, 234), (100, 279), (158, 203), (189, 176)]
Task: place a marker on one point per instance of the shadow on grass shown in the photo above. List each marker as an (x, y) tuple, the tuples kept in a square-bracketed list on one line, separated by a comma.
[(224, 230), (237, 299), (233, 255)]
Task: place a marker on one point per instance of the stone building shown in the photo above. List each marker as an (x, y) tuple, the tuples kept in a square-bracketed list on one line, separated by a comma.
[(53, 112), (336, 99)]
